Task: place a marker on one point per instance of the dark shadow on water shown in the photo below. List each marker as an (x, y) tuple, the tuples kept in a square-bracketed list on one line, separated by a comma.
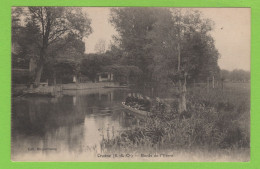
[(70, 122)]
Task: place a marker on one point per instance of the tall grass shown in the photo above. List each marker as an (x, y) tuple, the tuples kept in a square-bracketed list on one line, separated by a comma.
[(218, 119)]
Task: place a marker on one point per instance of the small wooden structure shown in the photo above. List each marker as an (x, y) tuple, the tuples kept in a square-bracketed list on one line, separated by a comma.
[(105, 77)]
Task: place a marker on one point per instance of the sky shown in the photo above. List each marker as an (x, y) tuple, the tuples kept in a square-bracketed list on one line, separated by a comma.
[(231, 33), (102, 29)]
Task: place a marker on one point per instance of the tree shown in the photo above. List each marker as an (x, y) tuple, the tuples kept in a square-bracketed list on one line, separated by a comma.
[(16, 23), (182, 48), (115, 53), (53, 24), (68, 52), (236, 75), (24, 35), (133, 25), (167, 44), (100, 46), (92, 64), (124, 74)]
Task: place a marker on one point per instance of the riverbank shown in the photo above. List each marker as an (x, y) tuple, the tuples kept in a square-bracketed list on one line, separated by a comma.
[(47, 91), (218, 121), (82, 86), (52, 91)]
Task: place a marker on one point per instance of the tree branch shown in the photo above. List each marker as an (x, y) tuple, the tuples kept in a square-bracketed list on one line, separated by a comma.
[(57, 32), (57, 37)]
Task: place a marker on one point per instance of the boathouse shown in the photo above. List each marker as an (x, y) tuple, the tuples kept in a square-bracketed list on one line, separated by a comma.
[(105, 77)]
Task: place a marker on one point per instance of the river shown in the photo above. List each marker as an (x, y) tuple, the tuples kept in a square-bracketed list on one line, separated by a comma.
[(71, 125), (45, 128)]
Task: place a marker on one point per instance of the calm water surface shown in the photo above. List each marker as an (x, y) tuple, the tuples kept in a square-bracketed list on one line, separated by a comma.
[(69, 125)]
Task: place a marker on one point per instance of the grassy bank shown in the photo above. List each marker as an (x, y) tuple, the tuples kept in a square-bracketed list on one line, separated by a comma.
[(217, 121)]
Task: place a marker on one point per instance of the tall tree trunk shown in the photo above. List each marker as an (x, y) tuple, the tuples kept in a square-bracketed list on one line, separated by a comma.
[(182, 96), (182, 86), (222, 84), (208, 84), (38, 74), (213, 82), (40, 67)]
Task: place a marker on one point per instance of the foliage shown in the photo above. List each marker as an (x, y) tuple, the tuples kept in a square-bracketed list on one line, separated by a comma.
[(65, 54), (124, 74), (167, 44), (100, 46), (214, 120), (236, 75), (150, 38), (92, 64), (188, 31), (133, 25), (55, 22), (49, 26), (23, 41)]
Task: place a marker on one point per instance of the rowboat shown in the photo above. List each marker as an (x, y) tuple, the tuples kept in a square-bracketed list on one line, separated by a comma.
[(137, 111)]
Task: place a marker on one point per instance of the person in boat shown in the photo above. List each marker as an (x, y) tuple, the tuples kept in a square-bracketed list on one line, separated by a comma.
[(140, 100), (130, 100), (144, 103), (135, 99)]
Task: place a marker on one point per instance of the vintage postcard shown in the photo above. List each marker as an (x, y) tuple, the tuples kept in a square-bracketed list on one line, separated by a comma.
[(145, 84)]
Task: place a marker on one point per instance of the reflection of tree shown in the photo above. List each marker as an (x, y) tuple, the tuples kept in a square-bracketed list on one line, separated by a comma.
[(49, 124), (36, 116), (61, 124)]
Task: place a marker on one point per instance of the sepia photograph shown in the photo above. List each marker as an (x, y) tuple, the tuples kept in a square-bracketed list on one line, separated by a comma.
[(130, 84)]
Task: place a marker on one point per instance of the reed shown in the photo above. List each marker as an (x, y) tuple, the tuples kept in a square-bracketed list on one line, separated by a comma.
[(215, 120)]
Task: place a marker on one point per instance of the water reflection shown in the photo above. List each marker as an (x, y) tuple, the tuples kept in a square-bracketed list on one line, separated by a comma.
[(71, 124)]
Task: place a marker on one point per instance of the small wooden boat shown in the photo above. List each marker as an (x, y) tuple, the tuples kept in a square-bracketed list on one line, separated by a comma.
[(134, 110)]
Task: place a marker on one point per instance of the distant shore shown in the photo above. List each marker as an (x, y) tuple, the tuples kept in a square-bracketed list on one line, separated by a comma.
[(52, 91)]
